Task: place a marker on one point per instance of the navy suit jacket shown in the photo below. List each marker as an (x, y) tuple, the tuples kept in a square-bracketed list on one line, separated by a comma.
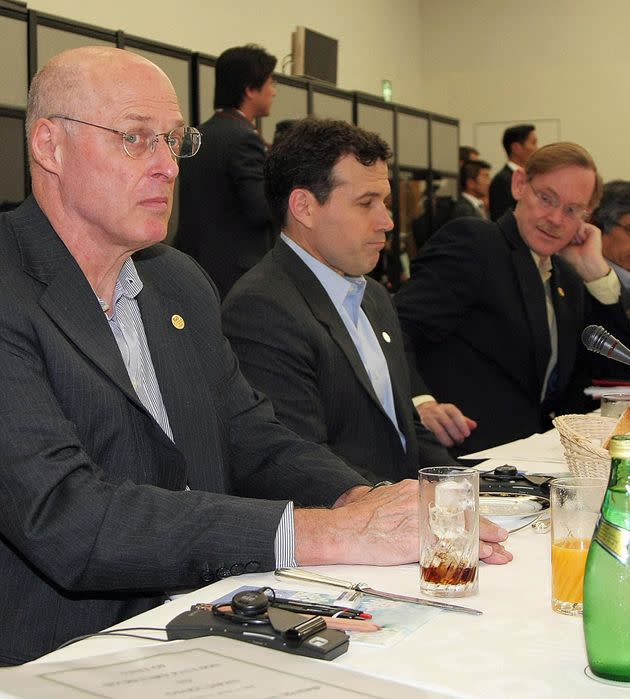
[(474, 311), (224, 218), (293, 345), (95, 521), (500, 193)]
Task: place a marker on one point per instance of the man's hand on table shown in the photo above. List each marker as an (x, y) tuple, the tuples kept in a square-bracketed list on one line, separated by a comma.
[(376, 527)]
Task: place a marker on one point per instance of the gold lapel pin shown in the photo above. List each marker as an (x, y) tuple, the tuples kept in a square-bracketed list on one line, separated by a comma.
[(178, 322), (561, 291), (386, 337)]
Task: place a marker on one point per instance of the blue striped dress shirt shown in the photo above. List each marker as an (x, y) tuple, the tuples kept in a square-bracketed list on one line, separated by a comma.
[(126, 324)]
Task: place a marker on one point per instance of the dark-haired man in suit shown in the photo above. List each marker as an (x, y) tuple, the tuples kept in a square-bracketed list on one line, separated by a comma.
[(315, 335), (519, 142), (612, 216), (224, 219)]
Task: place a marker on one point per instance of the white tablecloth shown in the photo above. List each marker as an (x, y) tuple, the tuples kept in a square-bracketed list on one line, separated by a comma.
[(519, 648)]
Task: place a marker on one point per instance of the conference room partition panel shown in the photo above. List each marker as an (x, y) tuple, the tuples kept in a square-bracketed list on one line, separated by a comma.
[(13, 90), (412, 179), (331, 103), (204, 79), (291, 102)]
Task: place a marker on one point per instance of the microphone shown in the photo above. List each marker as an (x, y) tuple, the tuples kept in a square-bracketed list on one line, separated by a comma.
[(597, 339)]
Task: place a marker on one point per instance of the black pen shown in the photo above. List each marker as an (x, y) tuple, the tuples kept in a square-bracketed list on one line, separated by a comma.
[(308, 603), (320, 609), (314, 605)]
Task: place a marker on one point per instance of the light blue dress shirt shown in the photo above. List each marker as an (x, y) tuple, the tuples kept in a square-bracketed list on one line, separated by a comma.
[(346, 294)]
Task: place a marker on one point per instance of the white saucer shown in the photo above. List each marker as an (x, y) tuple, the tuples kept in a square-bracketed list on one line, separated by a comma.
[(511, 510)]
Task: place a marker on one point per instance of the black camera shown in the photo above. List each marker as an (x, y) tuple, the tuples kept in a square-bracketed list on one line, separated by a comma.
[(249, 617)]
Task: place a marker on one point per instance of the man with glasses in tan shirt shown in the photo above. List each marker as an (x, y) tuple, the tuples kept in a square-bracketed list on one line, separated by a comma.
[(494, 311)]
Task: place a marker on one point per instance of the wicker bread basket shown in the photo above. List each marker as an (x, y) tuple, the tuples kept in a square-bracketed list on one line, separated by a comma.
[(581, 437)]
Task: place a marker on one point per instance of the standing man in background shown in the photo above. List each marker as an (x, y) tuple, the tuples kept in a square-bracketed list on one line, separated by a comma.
[(520, 142), (225, 222)]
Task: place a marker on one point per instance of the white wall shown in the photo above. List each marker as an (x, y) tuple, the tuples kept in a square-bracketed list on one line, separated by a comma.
[(515, 60), (377, 39)]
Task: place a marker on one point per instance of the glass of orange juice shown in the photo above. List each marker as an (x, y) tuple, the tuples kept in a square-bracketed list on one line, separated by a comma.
[(575, 504)]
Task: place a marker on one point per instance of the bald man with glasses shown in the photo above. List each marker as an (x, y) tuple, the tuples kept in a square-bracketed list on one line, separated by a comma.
[(136, 459), (493, 311)]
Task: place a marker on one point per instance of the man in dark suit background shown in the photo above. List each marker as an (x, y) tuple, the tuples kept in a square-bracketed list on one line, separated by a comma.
[(519, 142), (474, 180), (612, 217), (317, 337), (224, 219), (494, 312), (136, 459)]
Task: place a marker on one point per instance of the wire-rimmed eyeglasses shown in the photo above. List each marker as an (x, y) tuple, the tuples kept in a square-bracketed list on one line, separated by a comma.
[(182, 141), (550, 201)]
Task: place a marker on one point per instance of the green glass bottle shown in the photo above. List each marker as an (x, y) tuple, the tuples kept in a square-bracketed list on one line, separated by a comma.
[(607, 574)]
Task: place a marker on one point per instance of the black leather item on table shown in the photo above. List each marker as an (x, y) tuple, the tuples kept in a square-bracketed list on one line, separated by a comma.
[(507, 479), (280, 630)]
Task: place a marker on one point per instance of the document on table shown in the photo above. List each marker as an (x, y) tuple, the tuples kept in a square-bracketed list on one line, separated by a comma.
[(397, 619), (545, 447), (202, 668)]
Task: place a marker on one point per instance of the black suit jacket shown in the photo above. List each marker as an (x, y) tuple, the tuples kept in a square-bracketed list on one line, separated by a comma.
[(475, 313), (292, 345), (500, 193), (224, 218), (95, 521)]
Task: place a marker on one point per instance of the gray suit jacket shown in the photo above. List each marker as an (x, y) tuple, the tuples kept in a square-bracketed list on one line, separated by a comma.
[(293, 346), (95, 521), (464, 207)]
